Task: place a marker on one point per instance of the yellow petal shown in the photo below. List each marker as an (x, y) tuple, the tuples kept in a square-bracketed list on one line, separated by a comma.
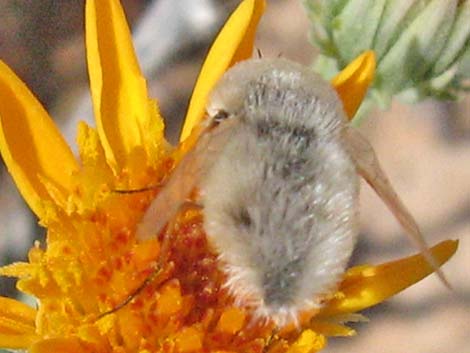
[(331, 329), (233, 44), (17, 341), (12, 308), (352, 82), (31, 144), (308, 342), (59, 345), (16, 269), (118, 89), (365, 286), (16, 317), (17, 324)]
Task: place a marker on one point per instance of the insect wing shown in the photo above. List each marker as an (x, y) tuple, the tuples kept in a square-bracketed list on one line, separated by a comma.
[(369, 168), (184, 178)]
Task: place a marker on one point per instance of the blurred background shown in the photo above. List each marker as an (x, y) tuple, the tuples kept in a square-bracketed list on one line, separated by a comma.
[(425, 148)]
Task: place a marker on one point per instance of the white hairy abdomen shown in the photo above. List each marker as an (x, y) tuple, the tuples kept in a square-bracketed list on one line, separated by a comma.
[(280, 202)]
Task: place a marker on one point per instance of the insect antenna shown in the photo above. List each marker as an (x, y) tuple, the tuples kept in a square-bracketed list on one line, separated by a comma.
[(163, 257), (135, 191), (135, 293)]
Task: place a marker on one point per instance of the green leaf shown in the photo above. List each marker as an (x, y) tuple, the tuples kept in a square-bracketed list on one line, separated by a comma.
[(458, 38), (354, 28), (418, 46), (392, 23)]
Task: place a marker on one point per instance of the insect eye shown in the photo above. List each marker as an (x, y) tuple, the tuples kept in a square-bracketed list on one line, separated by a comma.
[(220, 116)]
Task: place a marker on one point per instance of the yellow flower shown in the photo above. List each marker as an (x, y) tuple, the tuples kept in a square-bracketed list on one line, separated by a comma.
[(92, 262)]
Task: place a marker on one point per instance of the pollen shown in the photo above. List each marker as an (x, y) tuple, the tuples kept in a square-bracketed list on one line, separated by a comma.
[(231, 321)]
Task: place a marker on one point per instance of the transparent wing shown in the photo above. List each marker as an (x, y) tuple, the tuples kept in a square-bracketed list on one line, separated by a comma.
[(369, 168), (186, 175)]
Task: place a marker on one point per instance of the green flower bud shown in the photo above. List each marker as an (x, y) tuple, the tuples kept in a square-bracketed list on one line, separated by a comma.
[(422, 46)]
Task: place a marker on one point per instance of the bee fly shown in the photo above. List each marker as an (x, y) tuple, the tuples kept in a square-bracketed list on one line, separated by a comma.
[(278, 167)]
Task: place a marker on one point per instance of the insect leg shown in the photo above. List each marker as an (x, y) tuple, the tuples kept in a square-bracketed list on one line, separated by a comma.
[(136, 191), (159, 265), (369, 168), (173, 196), (136, 292)]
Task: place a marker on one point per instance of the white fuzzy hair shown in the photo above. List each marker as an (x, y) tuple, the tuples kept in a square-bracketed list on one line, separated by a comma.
[(281, 200)]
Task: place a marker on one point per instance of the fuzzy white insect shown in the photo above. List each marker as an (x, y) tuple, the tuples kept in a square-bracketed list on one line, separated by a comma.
[(277, 166)]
